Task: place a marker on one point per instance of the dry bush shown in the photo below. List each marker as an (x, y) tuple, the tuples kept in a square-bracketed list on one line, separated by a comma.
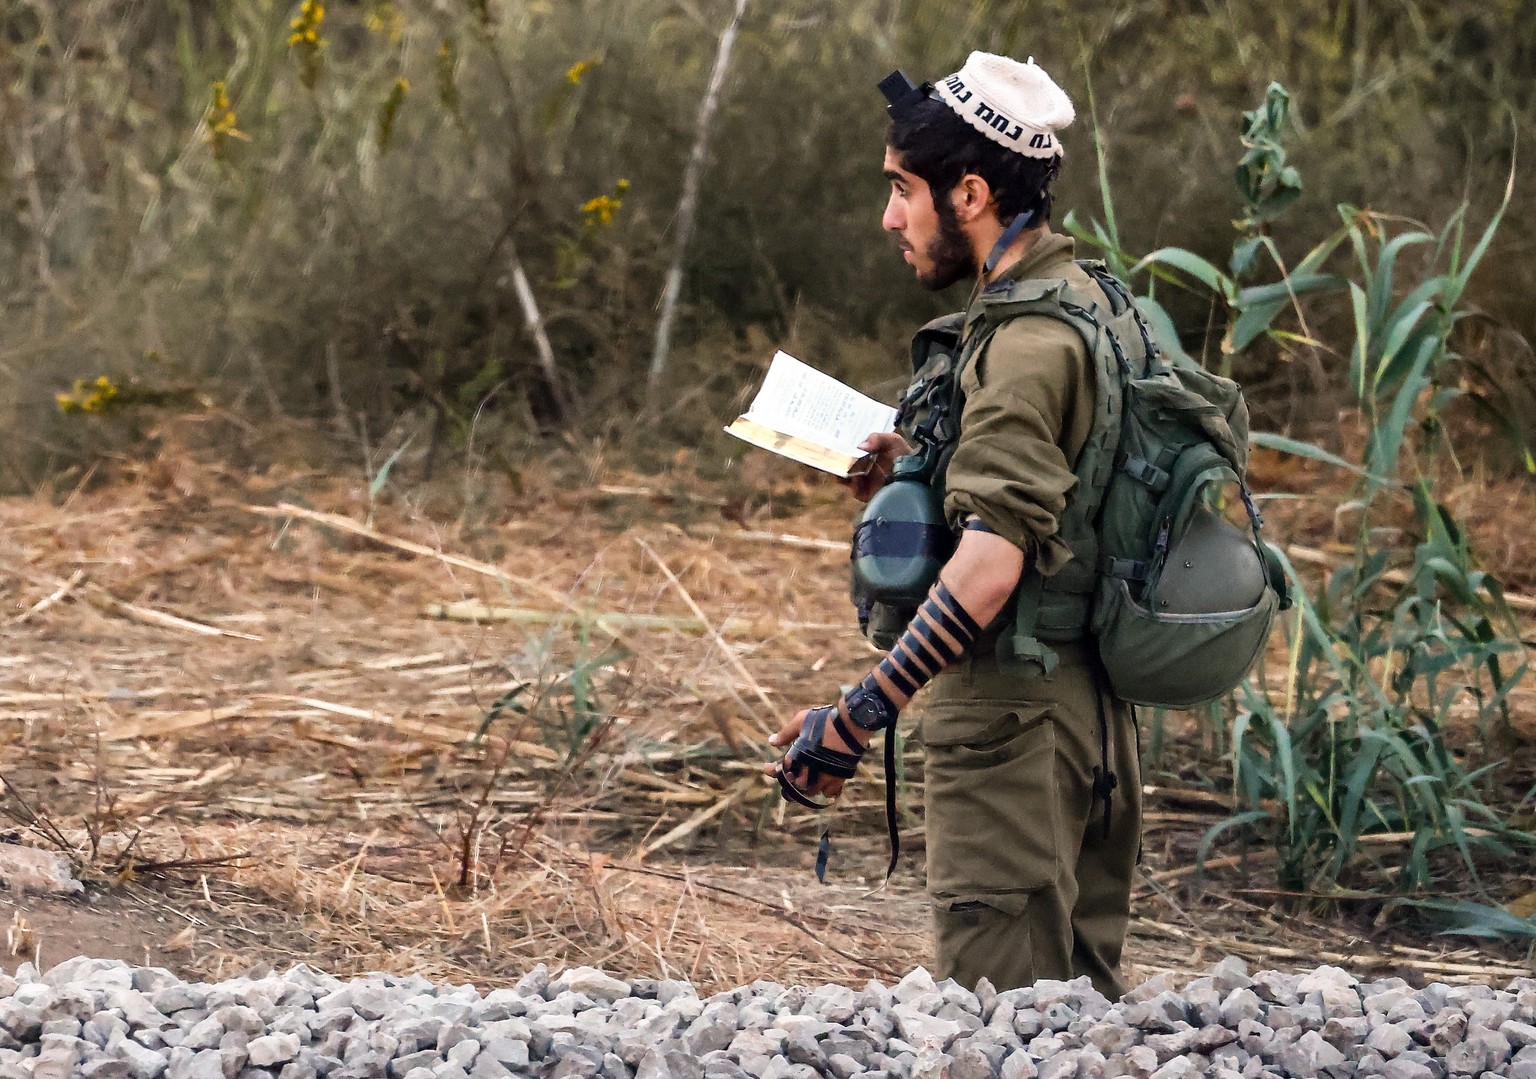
[(336, 235)]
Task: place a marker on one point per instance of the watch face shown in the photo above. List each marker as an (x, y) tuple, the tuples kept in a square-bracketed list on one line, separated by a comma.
[(868, 711)]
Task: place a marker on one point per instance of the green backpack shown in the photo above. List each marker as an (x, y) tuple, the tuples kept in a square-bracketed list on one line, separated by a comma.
[(1179, 601)]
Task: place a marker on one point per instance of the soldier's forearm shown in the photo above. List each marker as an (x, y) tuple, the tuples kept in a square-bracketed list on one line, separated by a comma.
[(942, 633), (982, 573), (972, 588)]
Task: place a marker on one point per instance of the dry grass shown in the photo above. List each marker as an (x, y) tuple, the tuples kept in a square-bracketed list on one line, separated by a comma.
[(221, 687)]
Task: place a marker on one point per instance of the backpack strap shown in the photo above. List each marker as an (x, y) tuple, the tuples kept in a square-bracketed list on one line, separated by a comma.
[(936, 432), (1059, 608), (1121, 347)]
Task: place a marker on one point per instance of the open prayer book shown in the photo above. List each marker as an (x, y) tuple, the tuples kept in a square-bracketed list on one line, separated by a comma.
[(811, 417)]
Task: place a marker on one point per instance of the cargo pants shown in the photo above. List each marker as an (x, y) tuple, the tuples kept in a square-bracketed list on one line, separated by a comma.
[(1025, 882)]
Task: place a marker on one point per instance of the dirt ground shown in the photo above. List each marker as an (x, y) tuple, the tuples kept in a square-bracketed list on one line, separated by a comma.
[(232, 697)]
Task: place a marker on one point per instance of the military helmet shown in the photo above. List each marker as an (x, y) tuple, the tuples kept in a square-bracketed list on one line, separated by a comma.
[(1212, 567)]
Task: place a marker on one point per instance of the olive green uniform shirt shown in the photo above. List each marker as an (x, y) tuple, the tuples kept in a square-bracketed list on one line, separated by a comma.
[(1028, 410)]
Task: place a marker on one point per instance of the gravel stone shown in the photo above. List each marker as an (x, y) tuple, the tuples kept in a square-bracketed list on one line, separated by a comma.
[(1275, 987), (1059, 1065), (1162, 1014), (1404, 1068), (1389, 1040), (913, 985), (1308, 1055), (1027, 1022), (143, 1063), (1110, 1038), (1231, 973), (920, 1029), (190, 1064), (1177, 1068), (272, 1049), (1484, 1050), (1019, 1065), (1204, 998), (591, 983), (972, 1063)]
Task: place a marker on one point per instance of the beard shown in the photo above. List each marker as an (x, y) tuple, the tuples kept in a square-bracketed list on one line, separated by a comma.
[(949, 253)]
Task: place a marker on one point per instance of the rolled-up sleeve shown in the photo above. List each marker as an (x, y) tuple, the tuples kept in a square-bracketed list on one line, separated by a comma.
[(1011, 466)]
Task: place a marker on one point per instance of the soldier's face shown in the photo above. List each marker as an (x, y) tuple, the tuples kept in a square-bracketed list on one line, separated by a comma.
[(931, 240)]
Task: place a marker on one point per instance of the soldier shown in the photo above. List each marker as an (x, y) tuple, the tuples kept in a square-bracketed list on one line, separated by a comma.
[(1029, 859)]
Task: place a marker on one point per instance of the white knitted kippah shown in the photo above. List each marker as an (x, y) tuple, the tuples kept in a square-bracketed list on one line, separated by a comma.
[(1011, 103)]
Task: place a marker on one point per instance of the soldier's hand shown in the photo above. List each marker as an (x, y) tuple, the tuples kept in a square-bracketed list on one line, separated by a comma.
[(825, 786), (885, 446)]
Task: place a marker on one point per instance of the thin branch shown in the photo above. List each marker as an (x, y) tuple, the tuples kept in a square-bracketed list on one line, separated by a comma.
[(688, 206), (533, 319)]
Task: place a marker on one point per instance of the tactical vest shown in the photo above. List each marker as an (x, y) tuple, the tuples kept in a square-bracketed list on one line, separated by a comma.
[(1141, 490)]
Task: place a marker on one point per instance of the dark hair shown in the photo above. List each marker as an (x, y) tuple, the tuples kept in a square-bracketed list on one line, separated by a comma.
[(935, 144)]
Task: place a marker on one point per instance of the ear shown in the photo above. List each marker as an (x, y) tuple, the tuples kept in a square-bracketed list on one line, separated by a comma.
[(972, 197)]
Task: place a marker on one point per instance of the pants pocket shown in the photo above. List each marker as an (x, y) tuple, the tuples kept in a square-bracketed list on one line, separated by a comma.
[(991, 804)]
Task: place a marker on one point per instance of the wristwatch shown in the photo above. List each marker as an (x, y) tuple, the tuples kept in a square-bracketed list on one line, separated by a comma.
[(869, 710)]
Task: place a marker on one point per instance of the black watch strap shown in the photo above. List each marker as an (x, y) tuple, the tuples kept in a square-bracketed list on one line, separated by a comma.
[(868, 710)]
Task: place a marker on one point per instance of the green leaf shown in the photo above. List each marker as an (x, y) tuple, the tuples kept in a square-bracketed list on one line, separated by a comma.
[(381, 477), (1284, 750), (1294, 285), (1245, 255), (1381, 286), (1313, 258), (1417, 354), (1387, 436), (1466, 918), (1163, 331), (1239, 743), (1200, 269), (1461, 275), (1253, 322), (1358, 356), (1251, 816), (1297, 448), (1361, 773), (1398, 330)]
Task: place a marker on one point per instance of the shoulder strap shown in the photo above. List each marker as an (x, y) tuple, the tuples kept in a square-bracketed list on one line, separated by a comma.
[(1121, 348)]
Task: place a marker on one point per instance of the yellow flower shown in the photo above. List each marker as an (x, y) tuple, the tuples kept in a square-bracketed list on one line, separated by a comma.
[(93, 397), (599, 211), (385, 19), (577, 71), (306, 40), (221, 122)]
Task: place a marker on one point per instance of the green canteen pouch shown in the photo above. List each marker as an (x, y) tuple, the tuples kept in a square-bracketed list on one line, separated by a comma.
[(886, 624), (900, 544)]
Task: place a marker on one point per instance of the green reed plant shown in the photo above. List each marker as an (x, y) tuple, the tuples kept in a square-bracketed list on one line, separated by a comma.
[(1401, 644), (1348, 751)]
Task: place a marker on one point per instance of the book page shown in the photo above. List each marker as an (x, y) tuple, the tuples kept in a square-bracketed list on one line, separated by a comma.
[(800, 401), (802, 450)]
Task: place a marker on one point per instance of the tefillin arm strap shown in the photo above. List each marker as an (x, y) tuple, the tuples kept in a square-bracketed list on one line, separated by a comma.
[(941, 633)]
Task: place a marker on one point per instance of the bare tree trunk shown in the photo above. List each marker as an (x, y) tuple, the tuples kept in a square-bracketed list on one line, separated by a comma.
[(688, 206), (332, 376), (534, 320)]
